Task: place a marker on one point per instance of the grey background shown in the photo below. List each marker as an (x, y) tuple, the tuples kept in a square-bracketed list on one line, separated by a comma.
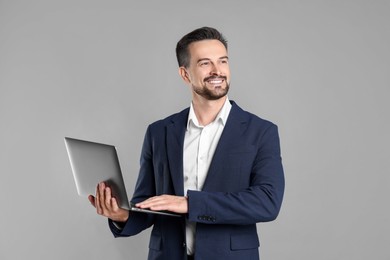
[(104, 70)]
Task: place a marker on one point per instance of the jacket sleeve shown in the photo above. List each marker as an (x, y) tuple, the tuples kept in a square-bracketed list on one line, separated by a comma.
[(259, 202)]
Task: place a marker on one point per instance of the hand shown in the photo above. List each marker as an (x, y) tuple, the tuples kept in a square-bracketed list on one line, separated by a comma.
[(166, 202), (106, 205)]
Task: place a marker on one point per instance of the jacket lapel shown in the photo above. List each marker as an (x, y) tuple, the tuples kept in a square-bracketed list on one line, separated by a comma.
[(234, 128), (174, 143)]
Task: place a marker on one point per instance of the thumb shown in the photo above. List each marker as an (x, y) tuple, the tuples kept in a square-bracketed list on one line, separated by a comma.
[(92, 200)]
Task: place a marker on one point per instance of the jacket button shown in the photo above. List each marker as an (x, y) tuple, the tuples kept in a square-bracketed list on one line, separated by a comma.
[(184, 244)]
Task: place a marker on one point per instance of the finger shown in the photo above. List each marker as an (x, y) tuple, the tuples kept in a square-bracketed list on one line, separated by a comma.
[(102, 196), (108, 197), (156, 203), (92, 200), (114, 204), (166, 202), (97, 201), (146, 203), (154, 199)]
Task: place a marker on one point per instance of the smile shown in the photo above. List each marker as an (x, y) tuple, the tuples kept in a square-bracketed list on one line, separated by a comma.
[(215, 80)]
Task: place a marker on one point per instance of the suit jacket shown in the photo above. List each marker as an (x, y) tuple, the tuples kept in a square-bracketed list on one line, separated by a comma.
[(244, 186)]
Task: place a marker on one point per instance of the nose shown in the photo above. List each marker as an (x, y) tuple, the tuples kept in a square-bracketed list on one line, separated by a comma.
[(215, 70)]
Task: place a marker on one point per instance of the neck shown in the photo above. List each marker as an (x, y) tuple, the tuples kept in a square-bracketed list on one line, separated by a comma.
[(207, 110)]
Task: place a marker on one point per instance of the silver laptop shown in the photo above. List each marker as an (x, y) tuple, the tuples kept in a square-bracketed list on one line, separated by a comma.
[(93, 163)]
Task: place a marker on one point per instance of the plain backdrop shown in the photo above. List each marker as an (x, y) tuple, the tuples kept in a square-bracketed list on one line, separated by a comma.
[(104, 70)]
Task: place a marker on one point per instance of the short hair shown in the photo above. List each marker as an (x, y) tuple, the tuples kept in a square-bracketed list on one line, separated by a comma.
[(204, 33)]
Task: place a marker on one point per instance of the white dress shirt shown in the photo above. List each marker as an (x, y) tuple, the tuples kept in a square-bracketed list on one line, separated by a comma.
[(200, 143)]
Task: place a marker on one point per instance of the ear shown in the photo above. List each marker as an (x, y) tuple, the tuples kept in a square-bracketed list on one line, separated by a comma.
[(184, 74)]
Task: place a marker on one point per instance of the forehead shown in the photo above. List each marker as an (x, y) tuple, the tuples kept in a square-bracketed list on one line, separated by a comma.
[(210, 49)]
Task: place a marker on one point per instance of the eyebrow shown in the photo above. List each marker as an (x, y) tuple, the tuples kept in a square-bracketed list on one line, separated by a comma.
[(221, 58)]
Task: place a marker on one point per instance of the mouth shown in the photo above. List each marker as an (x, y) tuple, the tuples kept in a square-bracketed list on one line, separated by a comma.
[(215, 80)]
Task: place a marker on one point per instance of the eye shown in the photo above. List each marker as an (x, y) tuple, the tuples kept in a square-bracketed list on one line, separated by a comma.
[(204, 63)]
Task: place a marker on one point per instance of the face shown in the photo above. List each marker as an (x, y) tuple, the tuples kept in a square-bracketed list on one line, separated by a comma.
[(208, 72)]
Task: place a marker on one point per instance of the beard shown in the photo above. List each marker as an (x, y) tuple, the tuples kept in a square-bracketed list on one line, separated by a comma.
[(208, 94)]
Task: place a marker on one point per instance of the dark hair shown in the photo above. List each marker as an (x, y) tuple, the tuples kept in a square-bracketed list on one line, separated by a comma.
[(204, 33)]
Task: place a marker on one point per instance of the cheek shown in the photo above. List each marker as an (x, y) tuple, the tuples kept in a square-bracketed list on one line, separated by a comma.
[(200, 77), (227, 71)]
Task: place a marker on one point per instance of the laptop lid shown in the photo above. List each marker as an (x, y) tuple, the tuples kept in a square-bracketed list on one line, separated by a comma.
[(93, 163)]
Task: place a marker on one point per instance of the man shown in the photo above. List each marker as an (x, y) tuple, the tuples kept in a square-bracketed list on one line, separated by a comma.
[(214, 163)]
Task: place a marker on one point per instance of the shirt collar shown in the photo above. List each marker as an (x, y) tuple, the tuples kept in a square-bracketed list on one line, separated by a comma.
[(222, 115)]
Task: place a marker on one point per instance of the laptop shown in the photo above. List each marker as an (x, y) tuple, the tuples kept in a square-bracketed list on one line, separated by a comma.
[(93, 163)]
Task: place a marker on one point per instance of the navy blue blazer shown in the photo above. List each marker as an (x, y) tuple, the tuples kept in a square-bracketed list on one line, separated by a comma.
[(244, 186)]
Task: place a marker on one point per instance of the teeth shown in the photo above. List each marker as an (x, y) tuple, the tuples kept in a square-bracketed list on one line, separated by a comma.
[(215, 81)]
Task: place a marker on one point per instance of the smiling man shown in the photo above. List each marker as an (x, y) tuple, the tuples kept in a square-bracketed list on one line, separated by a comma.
[(214, 163)]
